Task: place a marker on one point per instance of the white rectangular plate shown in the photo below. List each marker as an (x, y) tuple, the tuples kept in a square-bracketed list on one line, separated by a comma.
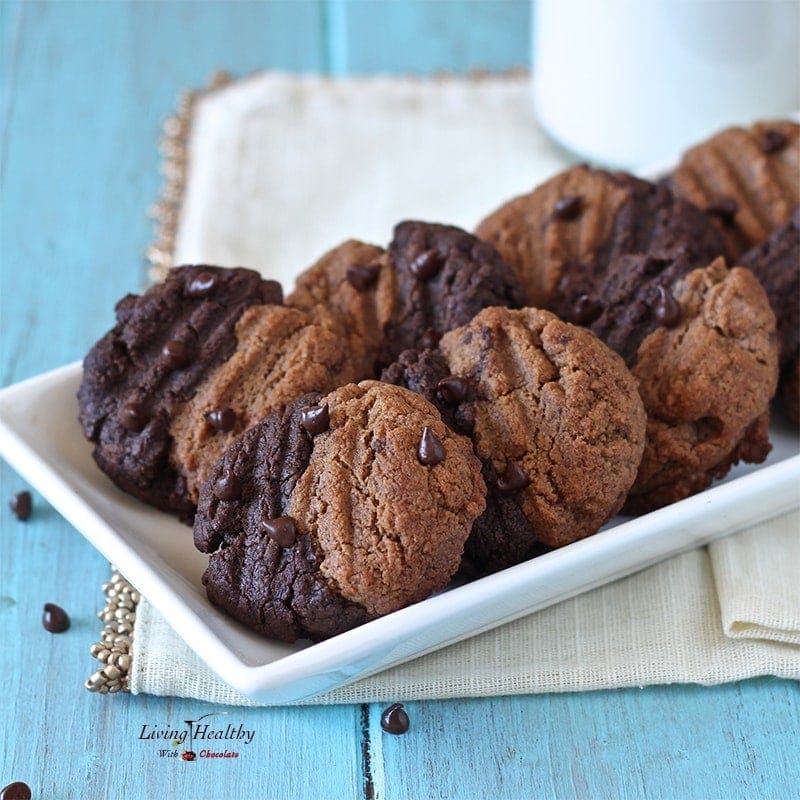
[(40, 437)]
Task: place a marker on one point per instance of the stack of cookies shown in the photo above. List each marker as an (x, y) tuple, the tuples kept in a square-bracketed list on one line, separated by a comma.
[(459, 403)]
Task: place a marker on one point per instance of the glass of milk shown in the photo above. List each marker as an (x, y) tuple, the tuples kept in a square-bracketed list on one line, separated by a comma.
[(634, 82)]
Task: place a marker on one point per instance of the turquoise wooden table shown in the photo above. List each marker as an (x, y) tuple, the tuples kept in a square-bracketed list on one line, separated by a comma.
[(84, 89)]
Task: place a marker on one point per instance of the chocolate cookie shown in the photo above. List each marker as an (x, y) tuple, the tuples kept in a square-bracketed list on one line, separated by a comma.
[(614, 264), (776, 263), (566, 236), (445, 276), (163, 346), (706, 376), (341, 509), (748, 179), (281, 353), (432, 279), (554, 416)]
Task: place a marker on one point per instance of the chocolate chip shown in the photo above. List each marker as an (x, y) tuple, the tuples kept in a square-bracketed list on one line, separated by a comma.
[(725, 209), (362, 276), (430, 451), (429, 339), (54, 618), (227, 487), (426, 265), (175, 353), (666, 308), (16, 791), (222, 419), (452, 390), (512, 480), (20, 505), (395, 720), (585, 310), (282, 530), (315, 419), (568, 208), (132, 417), (773, 141), (202, 284)]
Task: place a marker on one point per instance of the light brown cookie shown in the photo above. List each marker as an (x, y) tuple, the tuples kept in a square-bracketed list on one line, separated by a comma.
[(281, 353), (706, 380), (340, 509), (357, 280), (556, 420), (392, 527), (748, 179), (567, 219)]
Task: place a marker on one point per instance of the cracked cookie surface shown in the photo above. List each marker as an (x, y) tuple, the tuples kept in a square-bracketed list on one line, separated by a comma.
[(357, 280), (161, 349), (466, 275), (375, 527)]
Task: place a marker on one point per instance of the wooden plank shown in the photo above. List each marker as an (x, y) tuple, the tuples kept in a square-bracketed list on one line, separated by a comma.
[(422, 36), (672, 742), (10, 26), (87, 86)]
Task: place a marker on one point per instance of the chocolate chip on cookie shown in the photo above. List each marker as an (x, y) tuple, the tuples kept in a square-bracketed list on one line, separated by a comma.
[(776, 263), (747, 178), (162, 348), (334, 529), (554, 417)]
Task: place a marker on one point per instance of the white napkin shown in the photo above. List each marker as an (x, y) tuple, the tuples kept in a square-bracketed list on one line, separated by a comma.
[(280, 169)]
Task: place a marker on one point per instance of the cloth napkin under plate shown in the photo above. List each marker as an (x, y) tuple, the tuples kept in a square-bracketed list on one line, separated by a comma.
[(276, 170)]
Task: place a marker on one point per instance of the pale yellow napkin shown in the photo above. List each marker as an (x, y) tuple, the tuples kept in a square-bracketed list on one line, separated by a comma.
[(281, 168)]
